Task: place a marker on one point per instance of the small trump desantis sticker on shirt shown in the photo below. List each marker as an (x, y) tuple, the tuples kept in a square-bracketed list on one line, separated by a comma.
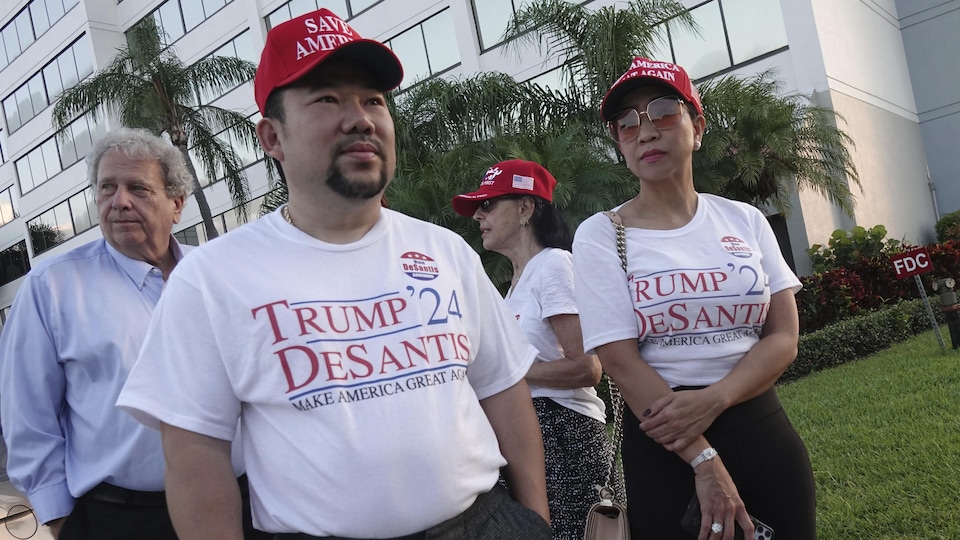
[(523, 182), (736, 247), (419, 266)]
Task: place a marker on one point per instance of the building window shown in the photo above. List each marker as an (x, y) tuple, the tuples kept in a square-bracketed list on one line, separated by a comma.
[(239, 47), (731, 32), (345, 9), (64, 221), (189, 236), (754, 28), (174, 18), (492, 19), (427, 49), (5, 312), (55, 154), (295, 8), (248, 155), (359, 6), (705, 53), (553, 79), (195, 235), (14, 263), (29, 24), (72, 65), (8, 206)]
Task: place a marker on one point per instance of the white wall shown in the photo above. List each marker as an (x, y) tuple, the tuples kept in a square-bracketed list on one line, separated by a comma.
[(931, 36)]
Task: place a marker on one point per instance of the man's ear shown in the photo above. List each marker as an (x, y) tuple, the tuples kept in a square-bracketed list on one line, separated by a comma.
[(267, 132), (178, 203)]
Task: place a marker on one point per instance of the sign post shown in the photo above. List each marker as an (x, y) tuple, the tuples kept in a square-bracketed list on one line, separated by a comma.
[(913, 263)]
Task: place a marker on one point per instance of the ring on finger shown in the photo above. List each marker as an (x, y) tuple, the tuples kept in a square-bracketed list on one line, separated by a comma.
[(716, 528)]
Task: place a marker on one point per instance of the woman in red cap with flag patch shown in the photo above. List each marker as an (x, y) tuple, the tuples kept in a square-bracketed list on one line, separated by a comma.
[(514, 209), (695, 322)]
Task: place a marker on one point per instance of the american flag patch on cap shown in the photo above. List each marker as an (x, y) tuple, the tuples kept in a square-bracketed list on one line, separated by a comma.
[(523, 182)]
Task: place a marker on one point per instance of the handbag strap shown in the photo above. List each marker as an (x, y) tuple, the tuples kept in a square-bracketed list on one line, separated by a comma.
[(616, 400), (621, 237)]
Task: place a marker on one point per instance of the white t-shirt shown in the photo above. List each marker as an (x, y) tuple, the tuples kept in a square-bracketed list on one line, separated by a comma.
[(696, 297), (545, 289), (357, 370)]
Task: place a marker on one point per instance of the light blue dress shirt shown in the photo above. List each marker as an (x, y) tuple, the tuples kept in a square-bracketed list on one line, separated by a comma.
[(73, 334)]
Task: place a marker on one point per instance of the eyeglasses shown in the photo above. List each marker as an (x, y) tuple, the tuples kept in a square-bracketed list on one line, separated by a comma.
[(663, 112), (486, 205)]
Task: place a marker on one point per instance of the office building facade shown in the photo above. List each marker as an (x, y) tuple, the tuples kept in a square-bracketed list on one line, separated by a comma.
[(888, 67)]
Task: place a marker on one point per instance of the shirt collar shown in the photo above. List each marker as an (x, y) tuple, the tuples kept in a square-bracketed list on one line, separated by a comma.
[(139, 271)]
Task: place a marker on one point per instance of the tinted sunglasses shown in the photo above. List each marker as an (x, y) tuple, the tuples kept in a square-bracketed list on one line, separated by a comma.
[(486, 205), (663, 112)]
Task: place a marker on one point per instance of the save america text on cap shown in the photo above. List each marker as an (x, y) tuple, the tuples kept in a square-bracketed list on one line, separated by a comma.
[(295, 47)]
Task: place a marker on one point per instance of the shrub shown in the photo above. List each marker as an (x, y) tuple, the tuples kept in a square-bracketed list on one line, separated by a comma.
[(880, 284), (851, 286), (857, 337), (863, 286), (846, 248), (946, 259), (827, 298), (948, 227)]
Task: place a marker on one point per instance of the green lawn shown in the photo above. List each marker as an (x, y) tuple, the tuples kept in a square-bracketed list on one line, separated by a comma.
[(884, 438)]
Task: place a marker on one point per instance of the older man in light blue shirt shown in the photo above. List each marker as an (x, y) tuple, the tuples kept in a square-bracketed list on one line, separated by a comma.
[(73, 334)]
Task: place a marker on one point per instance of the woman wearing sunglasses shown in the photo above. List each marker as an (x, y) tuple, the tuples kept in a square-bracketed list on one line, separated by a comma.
[(695, 332), (517, 219)]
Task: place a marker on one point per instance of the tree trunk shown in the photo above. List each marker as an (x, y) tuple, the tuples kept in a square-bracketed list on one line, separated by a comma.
[(199, 195)]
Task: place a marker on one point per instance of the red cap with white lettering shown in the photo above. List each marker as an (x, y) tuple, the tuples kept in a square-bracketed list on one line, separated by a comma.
[(511, 177), (644, 71), (295, 47)]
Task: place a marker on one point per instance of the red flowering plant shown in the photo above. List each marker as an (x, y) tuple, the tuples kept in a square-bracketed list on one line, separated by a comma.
[(946, 259), (852, 274), (827, 298)]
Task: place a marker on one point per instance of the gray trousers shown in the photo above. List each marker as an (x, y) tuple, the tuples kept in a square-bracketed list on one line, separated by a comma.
[(493, 516)]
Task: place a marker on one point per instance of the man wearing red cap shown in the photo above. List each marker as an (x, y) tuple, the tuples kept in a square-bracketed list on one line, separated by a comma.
[(376, 371)]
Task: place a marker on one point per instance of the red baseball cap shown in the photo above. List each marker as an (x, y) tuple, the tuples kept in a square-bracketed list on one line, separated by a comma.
[(512, 177), (296, 47), (644, 71)]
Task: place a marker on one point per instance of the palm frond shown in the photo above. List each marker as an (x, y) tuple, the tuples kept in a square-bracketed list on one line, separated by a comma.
[(146, 85), (761, 146), (595, 47), (219, 74), (217, 157)]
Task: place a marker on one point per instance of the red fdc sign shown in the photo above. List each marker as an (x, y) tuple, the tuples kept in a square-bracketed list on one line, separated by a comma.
[(910, 263)]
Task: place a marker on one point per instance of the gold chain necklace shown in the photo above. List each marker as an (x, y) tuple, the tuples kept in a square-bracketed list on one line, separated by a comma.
[(285, 212)]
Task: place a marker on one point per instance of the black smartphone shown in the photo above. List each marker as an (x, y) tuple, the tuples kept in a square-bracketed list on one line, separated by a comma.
[(691, 523)]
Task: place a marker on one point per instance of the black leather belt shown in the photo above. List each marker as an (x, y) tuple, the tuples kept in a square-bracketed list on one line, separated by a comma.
[(107, 493), (301, 536)]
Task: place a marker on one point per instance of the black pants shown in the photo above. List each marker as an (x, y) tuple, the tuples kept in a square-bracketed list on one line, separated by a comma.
[(760, 449), (493, 516), (113, 513)]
